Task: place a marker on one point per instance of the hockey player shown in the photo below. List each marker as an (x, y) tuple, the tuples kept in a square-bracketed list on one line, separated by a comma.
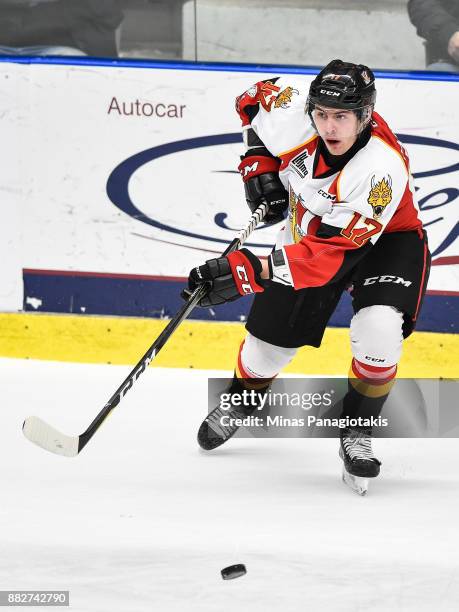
[(335, 165)]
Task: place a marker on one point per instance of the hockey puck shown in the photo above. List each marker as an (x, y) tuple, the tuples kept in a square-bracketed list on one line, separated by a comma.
[(233, 571)]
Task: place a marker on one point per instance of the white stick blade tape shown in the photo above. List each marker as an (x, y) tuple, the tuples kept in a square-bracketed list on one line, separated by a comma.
[(42, 434)]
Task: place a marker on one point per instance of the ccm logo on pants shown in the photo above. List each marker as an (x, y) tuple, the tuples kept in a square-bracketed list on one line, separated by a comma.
[(386, 278)]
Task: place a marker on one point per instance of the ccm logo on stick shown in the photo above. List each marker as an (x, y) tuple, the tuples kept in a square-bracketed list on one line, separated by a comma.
[(242, 275), (387, 278)]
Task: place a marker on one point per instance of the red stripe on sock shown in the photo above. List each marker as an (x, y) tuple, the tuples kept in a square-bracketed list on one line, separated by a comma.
[(373, 374)]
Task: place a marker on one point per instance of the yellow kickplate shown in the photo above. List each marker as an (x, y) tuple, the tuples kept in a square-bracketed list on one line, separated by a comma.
[(197, 344)]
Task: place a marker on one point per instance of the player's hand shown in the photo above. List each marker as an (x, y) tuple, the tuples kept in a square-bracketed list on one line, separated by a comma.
[(260, 174), (453, 46), (228, 278)]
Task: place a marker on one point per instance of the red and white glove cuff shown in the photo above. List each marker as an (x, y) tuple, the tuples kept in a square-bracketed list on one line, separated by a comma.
[(245, 268), (254, 165)]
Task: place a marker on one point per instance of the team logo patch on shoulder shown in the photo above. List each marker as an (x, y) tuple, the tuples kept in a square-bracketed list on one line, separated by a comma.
[(267, 95), (380, 195), (285, 97), (264, 93)]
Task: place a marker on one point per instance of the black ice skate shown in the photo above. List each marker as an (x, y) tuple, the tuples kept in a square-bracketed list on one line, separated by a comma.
[(359, 463), (212, 433)]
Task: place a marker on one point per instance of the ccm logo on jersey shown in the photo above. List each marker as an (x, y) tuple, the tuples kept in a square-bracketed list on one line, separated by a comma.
[(242, 275), (387, 278), (326, 195), (327, 92)]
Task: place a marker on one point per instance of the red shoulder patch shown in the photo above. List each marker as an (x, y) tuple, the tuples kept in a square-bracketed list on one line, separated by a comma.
[(263, 93)]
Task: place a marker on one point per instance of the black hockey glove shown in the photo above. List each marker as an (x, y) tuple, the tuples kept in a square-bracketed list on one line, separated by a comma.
[(228, 278), (260, 173)]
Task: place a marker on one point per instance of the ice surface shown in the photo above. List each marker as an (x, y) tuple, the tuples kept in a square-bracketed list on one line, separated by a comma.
[(143, 520)]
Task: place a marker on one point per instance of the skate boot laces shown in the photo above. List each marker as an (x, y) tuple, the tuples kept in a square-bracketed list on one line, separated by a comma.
[(357, 444), (214, 421)]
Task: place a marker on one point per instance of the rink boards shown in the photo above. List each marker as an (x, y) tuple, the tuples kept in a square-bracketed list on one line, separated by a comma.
[(199, 345), (118, 178)]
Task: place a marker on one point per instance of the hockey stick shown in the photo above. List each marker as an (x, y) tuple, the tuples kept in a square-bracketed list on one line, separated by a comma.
[(39, 432)]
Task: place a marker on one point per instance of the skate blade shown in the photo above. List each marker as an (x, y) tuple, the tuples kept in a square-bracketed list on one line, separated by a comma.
[(358, 484)]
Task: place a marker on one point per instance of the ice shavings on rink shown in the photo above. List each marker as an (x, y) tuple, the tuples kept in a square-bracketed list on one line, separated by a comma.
[(143, 520)]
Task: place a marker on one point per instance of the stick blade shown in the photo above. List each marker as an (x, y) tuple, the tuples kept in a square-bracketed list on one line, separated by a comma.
[(52, 440)]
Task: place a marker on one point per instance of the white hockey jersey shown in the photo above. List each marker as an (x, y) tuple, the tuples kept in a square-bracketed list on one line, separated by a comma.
[(335, 213)]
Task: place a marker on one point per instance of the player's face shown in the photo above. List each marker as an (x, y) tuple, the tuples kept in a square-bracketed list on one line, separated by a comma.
[(337, 128)]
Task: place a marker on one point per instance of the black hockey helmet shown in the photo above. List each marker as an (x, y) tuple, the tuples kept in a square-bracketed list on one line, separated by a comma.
[(343, 85)]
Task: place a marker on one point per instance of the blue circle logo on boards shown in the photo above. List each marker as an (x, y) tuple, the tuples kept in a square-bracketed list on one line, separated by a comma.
[(118, 190)]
